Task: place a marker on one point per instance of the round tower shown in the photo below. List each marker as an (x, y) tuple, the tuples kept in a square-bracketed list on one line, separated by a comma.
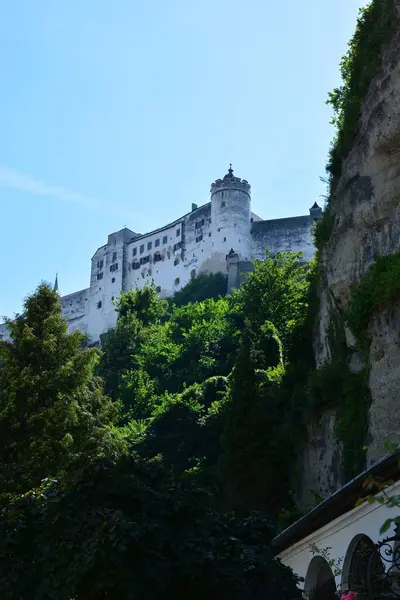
[(230, 218)]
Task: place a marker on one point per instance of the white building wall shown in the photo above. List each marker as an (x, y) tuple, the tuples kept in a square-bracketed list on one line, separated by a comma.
[(167, 273), (75, 309), (339, 537)]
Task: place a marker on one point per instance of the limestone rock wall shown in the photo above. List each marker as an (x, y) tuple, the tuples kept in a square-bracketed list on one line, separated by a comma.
[(319, 466), (366, 212)]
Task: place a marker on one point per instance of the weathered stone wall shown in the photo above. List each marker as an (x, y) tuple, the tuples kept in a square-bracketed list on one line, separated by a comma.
[(366, 213), (319, 472), (280, 235)]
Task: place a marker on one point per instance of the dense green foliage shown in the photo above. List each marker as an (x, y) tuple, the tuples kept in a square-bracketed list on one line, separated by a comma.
[(53, 413), (202, 287), (138, 508), (255, 435), (376, 25), (130, 530), (378, 288), (323, 228), (335, 386)]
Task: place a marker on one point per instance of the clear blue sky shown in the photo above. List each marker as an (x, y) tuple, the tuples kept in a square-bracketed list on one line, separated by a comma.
[(123, 113)]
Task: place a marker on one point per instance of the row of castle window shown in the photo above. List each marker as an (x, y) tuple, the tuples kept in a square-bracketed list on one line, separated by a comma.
[(156, 243), (200, 224), (157, 257)]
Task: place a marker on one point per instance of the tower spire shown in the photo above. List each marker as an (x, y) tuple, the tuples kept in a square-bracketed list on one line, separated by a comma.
[(55, 288)]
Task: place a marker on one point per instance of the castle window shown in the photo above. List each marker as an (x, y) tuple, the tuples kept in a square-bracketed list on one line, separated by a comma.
[(177, 281), (112, 298), (136, 265), (114, 257), (142, 249), (165, 239), (202, 222), (157, 257), (112, 281), (99, 304), (114, 267), (219, 229), (176, 262), (157, 242), (193, 273), (209, 235), (134, 252), (178, 232), (158, 289), (251, 220), (100, 264), (149, 245), (99, 276), (222, 203), (224, 239), (199, 238)]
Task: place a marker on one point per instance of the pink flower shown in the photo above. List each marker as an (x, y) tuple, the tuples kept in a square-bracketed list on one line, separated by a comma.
[(349, 596)]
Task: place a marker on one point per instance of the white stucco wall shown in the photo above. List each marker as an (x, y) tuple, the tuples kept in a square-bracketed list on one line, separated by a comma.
[(339, 536)]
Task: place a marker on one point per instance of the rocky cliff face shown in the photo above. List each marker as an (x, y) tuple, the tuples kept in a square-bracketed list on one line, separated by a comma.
[(366, 213)]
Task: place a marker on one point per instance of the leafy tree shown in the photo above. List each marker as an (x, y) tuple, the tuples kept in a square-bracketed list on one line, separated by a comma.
[(196, 343), (274, 291), (257, 454), (186, 428), (137, 310), (130, 530), (202, 287), (52, 410)]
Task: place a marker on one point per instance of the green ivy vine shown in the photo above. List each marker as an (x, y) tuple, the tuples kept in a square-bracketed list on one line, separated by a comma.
[(335, 385), (376, 25)]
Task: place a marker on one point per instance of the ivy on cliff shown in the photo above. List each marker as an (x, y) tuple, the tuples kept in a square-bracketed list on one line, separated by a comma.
[(375, 27), (378, 288), (335, 386)]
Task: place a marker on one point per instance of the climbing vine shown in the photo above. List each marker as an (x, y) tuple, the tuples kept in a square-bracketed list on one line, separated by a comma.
[(379, 287), (335, 385), (375, 27)]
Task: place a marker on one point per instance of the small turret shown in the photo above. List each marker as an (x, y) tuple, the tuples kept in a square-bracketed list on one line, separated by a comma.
[(315, 212)]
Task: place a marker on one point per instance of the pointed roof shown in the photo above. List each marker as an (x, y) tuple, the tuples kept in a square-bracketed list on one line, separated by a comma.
[(229, 174), (55, 288), (315, 205)]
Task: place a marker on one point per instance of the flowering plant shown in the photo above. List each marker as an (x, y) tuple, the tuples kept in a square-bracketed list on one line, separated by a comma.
[(349, 596)]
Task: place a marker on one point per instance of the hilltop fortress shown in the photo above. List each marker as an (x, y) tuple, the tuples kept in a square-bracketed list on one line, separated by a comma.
[(220, 236)]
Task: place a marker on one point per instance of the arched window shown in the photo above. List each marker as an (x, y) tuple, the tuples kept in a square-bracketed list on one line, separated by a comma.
[(320, 582), (356, 563)]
